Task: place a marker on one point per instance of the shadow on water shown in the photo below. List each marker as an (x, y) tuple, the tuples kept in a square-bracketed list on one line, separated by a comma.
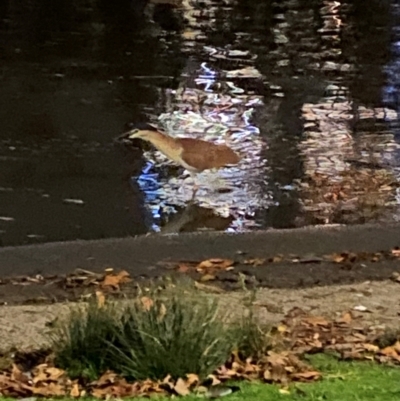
[(306, 91)]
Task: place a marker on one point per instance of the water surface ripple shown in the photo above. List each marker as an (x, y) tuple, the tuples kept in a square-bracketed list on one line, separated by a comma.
[(305, 91)]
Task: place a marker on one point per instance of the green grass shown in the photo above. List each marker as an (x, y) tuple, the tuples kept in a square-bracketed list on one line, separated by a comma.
[(356, 381), (343, 381)]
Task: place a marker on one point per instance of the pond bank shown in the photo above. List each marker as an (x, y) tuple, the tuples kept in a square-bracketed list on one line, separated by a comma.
[(145, 255)]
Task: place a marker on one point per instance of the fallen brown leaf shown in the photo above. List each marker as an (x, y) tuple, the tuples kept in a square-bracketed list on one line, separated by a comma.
[(396, 346), (209, 265), (254, 262), (371, 348), (115, 280), (182, 268), (275, 359), (389, 351), (205, 265), (106, 378), (18, 376), (192, 379), (267, 375), (306, 376), (51, 389), (207, 277), (337, 258), (346, 318), (11, 388), (279, 374), (45, 373), (214, 380), (181, 387), (75, 392)]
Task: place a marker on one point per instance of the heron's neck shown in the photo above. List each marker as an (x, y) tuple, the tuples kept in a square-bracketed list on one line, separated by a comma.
[(162, 141)]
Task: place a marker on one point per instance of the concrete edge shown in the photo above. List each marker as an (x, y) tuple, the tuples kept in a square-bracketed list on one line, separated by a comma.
[(141, 254)]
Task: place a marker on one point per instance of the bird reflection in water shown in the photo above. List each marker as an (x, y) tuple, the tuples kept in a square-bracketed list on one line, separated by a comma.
[(168, 219), (195, 218)]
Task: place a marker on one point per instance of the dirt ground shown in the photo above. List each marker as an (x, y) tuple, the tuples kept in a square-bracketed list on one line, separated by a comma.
[(24, 326), (326, 272)]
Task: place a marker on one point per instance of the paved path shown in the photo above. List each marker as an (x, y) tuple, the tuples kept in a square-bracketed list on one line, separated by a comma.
[(140, 255)]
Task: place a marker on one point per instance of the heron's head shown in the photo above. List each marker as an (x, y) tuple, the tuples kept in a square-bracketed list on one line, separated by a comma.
[(145, 132)]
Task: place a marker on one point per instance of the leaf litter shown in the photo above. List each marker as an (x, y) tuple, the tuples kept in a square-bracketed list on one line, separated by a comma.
[(346, 336), (299, 333), (212, 269), (222, 271)]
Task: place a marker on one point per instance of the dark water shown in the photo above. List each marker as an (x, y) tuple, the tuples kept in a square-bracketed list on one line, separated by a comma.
[(307, 90)]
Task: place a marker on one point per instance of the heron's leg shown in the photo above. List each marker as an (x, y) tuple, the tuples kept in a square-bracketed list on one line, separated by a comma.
[(195, 189), (195, 186), (217, 182)]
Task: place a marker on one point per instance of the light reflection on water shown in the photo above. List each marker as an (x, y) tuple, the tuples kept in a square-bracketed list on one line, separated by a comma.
[(219, 111), (215, 104), (305, 90)]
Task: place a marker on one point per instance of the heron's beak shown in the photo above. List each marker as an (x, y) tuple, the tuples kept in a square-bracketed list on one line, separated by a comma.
[(125, 137), (133, 135)]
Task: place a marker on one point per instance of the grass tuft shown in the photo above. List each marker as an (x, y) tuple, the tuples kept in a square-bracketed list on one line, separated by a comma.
[(174, 331), (79, 341), (253, 340), (172, 335)]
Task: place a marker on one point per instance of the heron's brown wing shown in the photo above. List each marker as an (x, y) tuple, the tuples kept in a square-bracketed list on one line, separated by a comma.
[(202, 155)]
